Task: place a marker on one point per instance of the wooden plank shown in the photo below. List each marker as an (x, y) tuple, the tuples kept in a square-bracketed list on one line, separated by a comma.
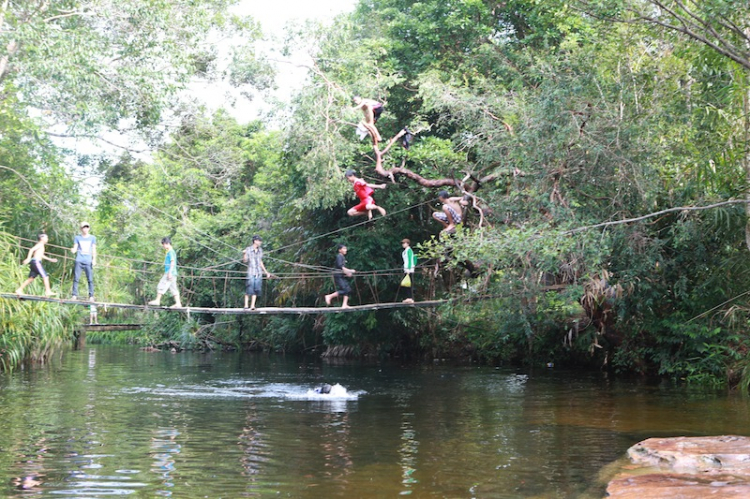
[(109, 327), (235, 311)]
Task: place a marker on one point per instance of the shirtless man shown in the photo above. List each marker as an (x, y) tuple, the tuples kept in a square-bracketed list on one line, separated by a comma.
[(372, 110), (450, 217), (34, 259)]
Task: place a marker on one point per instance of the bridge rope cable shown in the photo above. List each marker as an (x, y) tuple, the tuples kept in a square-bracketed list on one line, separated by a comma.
[(390, 213), (238, 274), (232, 260)]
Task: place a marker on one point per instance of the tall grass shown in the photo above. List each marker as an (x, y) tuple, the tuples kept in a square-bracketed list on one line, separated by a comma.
[(29, 331)]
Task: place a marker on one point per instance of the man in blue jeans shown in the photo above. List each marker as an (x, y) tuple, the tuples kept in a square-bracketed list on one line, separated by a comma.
[(253, 256), (84, 248)]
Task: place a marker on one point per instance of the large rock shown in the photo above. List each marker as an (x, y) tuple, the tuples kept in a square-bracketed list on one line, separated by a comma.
[(674, 486), (686, 468), (692, 454)]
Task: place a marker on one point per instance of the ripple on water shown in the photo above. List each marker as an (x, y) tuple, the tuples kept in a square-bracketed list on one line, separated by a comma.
[(236, 390)]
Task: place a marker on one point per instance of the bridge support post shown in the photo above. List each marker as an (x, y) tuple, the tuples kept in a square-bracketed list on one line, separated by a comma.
[(79, 338)]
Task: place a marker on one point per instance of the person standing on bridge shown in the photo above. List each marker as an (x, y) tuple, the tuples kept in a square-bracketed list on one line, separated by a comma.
[(168, 281), (84, 248), (253, 256), (410, 261), (34, 259), (339, 278)]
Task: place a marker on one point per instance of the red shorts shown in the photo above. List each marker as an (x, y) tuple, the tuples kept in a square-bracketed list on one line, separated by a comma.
[(362, 206)]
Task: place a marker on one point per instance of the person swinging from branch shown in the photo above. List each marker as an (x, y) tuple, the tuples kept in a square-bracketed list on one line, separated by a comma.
[(372, 110), (452, 214), (364, 191)]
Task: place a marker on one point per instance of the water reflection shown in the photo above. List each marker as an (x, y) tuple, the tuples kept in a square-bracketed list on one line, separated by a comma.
[(32, 468), (253, 448), (408, 452), (164, 448), (335, 439)]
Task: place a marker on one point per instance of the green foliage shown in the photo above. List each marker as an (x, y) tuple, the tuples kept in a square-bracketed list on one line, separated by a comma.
[(162, 328), (94, 63)]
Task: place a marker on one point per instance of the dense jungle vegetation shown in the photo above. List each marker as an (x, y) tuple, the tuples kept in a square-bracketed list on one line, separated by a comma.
[(562, 120)]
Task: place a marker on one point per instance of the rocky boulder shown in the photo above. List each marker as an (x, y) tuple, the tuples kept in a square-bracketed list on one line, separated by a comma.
[(686, 468)]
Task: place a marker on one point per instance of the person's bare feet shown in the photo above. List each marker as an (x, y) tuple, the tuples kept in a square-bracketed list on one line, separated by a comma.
[(382, 211), (345, 306), (328, 300)]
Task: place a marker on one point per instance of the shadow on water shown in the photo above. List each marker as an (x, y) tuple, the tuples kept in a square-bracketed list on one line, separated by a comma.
[(118, 421)]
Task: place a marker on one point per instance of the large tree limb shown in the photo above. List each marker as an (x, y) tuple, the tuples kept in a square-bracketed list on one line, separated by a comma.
[(425, 182)]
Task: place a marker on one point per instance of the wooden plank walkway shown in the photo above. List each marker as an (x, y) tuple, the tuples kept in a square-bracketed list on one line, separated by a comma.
[(234, 311), (109, 327)]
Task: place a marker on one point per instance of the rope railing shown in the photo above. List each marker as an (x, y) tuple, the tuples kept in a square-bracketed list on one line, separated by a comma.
[(224, 279), (321, 271)]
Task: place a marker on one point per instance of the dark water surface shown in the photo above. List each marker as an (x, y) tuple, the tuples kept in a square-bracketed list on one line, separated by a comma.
[(120, 422)]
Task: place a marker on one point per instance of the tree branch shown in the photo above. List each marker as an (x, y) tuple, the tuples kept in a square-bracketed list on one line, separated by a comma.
[(656, 214)]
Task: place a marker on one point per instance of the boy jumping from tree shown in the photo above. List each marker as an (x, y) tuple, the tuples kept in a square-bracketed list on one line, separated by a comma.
[(372, 110), (364, 191), (34, 259)]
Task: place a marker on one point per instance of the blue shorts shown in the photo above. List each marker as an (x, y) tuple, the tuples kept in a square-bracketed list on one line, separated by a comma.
[(253, 285)]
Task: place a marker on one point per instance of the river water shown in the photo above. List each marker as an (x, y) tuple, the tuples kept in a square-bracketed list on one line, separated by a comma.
[(108, 421)]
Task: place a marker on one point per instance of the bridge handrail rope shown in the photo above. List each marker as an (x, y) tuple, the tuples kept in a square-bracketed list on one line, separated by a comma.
[(321, 271), (190, 277)]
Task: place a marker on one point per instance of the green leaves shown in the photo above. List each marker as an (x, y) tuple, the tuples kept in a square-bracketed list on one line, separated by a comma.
[(92, 64)]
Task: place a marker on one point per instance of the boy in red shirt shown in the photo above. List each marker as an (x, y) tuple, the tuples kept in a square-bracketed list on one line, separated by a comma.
[(364, 191)]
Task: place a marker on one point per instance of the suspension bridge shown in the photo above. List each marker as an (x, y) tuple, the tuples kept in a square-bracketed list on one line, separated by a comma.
[(232, 311)]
